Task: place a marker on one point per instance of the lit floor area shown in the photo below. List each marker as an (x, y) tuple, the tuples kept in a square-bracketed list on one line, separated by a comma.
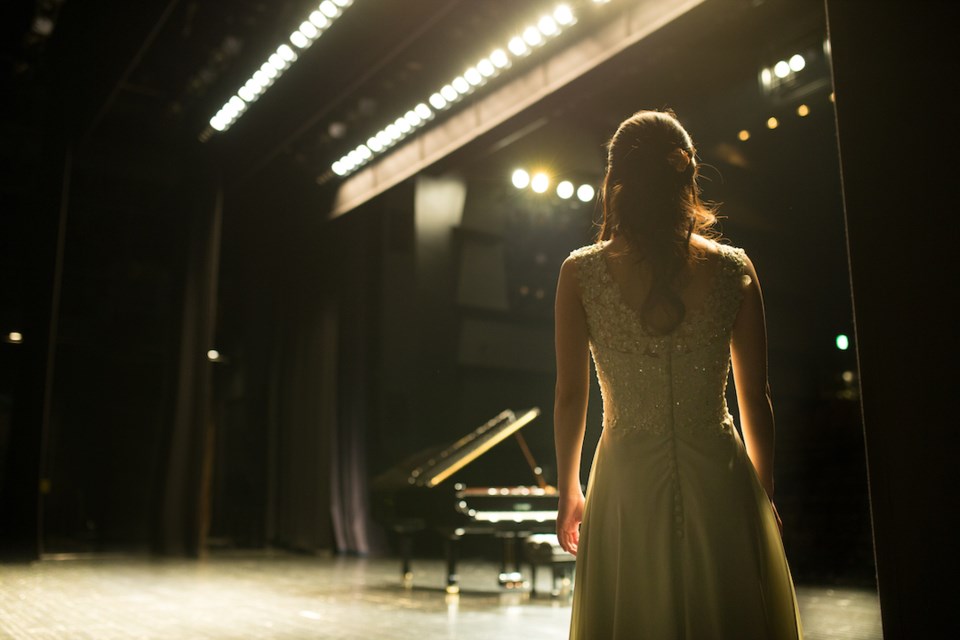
[(286, 596)]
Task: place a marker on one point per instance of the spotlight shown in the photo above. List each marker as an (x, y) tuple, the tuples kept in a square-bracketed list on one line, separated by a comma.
[(486, 68), (423, 111), (565, 189), (412, 118), (563, 15), (499, 58), (286, 53), (520, 179), (797, 63), (517, 46), (307, 29), (540, 182), (299, 39), (15, 337), (473, 76), (548, 26), (213, 355), (461, 85), (449, 93), (585, 193), (766, 77), (374, 144), (319, 20), (329, 9), (438, 101), (782, 69), (532, 36)]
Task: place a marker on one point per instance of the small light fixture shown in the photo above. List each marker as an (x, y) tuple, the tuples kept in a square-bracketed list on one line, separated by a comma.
[(520, 179), (585, 192), (744, 135), (803, 111), (772, 123), (15, 337), (213, 355)]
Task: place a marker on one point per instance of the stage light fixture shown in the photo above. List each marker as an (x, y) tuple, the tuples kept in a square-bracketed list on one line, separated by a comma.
[(772, 123), (403, 125), (310, 31), (15, 337), (499, 58), (540, 182), (517, 46), (520, 179), (548, 26), (461, 85), (781, 69), (449, 93), (766, 77), (744, 135), (299, 39), (585, 192), (486, 68), (564, 15), (213, 355), (797, 62), (423, 111), (565, 189), (803, 111), (319, 20), (374, 144), (475, 76), (329, 9), (278, 61), (532, 36)]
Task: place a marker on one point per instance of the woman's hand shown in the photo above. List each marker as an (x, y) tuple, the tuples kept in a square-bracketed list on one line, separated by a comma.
[(569, 517)]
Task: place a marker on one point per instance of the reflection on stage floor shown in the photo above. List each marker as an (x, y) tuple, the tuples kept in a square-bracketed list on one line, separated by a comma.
[(275, 595)]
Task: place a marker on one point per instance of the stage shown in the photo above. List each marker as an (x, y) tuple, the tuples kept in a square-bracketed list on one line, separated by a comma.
[(279, 595)]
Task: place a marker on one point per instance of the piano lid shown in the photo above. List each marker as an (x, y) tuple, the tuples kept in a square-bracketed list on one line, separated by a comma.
[(470, 447)]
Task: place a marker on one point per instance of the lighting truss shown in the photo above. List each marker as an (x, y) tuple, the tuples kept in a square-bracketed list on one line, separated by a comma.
[(314, 26), (521, 44)]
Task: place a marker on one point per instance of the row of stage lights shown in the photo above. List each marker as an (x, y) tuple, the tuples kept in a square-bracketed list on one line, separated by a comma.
[(278, 62), (773, 122), (539, 182), (519, 46)]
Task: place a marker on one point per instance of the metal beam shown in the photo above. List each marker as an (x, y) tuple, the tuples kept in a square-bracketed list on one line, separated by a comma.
[(630, 27)]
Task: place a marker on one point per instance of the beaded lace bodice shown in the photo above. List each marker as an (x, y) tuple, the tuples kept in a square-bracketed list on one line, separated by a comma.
[(654, 384)]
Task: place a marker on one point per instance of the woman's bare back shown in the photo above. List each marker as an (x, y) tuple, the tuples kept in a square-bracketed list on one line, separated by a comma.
[(693, 284)]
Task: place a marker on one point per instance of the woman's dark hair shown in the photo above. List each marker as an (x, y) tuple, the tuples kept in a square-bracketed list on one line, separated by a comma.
[(650, 195)]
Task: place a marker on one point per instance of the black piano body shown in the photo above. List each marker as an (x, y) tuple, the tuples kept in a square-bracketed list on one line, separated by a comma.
[(420, 494)]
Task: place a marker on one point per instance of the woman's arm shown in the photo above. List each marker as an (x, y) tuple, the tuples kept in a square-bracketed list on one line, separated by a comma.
[(570, 402), (748, 349)]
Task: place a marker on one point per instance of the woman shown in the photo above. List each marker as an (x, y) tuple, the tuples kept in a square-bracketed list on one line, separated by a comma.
[(677, 536)]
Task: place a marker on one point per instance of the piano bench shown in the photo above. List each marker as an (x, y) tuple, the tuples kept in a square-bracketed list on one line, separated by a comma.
[(543, 549)]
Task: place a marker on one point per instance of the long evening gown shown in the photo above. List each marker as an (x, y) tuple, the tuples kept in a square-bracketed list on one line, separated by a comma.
[(678, 538)]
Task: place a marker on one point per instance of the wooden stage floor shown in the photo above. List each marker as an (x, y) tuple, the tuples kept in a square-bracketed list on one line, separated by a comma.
[(274, 595)]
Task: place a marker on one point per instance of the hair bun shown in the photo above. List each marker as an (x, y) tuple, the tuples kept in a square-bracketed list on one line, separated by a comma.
[(679, 159)]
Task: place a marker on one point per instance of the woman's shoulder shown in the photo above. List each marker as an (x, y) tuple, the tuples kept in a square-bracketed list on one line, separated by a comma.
[(728, 254), (591, 249)]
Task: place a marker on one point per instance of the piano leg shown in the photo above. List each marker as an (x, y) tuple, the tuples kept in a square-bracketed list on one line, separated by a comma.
[(406, 551), (453, 580), (510, 575)]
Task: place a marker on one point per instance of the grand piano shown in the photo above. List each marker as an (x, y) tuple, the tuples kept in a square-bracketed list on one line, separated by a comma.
[(421, 493)]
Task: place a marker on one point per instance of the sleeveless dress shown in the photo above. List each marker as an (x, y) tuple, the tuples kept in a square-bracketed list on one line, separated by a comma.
[(678, 538)]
